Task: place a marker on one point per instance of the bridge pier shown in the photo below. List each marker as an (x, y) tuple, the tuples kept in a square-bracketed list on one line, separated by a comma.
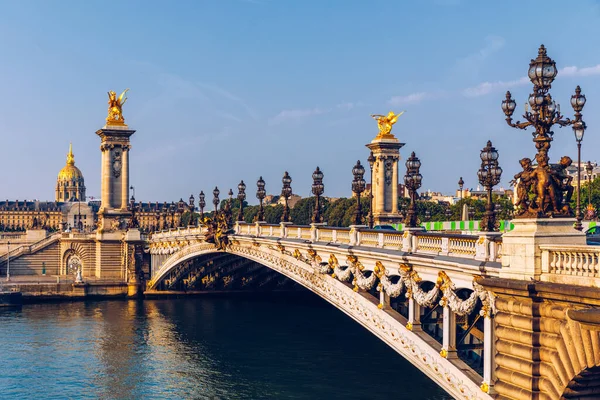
[(449, 333), (488, 354), (414, 315)]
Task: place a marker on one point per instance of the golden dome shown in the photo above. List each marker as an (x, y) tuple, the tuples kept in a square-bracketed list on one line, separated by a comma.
[(70, 171)]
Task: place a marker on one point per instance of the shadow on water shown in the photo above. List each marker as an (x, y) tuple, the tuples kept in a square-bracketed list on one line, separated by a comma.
[(272, 346)]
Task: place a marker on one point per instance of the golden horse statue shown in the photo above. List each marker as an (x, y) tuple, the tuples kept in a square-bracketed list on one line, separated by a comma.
[(385, 122), (115, 108)]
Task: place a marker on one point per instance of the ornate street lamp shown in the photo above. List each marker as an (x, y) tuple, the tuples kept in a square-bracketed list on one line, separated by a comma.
[(412, 182), (317, 190), (461, 183), (286, 192), (358, 186), (489, 176), (192, 208), (216, 193), (181, 206), (241, 197), (201, 204), (260, 195), (371, 161), (590, 213), (579, 130), (544, 114)]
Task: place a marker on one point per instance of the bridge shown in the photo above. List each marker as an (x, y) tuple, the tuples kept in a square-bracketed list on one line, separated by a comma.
[(513, 315), (439, 300)]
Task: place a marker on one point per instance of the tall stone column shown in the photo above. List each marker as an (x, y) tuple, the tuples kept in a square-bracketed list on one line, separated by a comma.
[(115, 177), (395, 187), (125, 179), (105, 192), (386, 149)]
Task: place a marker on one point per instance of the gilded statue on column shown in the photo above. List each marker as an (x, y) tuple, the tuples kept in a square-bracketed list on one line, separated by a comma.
[(385, 122), (115, 108)]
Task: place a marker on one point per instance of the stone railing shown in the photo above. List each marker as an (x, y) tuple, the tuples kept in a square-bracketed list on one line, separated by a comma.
[(32, 248), (485, 247), (177, 232), (577, 265)]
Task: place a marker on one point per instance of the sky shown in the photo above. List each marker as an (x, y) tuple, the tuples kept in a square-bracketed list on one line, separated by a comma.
[(225, 90)]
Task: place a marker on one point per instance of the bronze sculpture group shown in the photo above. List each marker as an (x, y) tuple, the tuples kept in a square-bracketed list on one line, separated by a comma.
[(543, 191)]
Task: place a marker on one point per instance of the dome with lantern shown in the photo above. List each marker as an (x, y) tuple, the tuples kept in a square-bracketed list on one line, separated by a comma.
[(70, 184)]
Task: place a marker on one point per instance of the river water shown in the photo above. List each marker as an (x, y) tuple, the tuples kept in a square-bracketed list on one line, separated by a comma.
[(271, 346)]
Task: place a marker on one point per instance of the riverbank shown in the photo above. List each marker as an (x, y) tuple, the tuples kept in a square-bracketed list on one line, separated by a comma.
[(37, 289)]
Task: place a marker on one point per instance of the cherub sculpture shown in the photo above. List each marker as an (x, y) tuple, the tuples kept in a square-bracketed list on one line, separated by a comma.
[(523, 182), (115, 108), (385, 122)]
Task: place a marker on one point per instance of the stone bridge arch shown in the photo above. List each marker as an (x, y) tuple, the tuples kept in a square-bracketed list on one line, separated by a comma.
[(297, 264)]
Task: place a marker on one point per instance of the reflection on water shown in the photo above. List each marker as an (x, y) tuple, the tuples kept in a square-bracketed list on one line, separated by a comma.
[(276, 347)]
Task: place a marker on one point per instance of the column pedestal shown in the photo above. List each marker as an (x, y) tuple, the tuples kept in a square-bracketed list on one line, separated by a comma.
[(384, 187), (521, 254)]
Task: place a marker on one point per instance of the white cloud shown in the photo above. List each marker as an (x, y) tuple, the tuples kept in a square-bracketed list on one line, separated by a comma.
[(413, 98), (574, 71), (295, 115), (488, 87)]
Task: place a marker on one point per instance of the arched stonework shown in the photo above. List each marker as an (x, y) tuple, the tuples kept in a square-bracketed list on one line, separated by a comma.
[(544, 342), (586, 385), (363, 309), (84, 251)]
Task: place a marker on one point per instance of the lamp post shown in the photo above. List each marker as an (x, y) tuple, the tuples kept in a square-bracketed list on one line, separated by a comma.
[(216, 193), (461, 183), (590, 213), (579, 130), (358, 186), (317, 190), (260, 195), (201, 204), (8, 262), (286, 192), (544, 114), (489, 175), (241, 197), (371, 161), (412, 182), (192, 207)]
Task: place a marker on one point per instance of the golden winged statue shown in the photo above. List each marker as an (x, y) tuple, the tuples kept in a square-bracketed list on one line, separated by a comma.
[(385, 122), (115, 108)]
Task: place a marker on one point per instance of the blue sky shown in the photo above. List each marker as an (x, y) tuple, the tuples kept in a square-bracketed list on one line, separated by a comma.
[(223, 90)]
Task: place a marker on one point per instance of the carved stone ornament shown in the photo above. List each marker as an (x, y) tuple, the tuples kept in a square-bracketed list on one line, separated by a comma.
[(117, 164), (389, 164)]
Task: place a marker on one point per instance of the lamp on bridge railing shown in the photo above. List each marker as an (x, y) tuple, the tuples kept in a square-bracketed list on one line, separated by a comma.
[(358, 186), (201, 204), (181, 206), (241, 197), (260, 195), (590, 212), (412, 182), (461, 184), (286, 192), (371, 161), (216, 193), (317, 190), (489, 176), (192, 208), (544, 114), (172, 211)]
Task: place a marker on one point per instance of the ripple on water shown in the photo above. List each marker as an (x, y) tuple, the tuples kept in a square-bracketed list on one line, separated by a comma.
[(276, 347)]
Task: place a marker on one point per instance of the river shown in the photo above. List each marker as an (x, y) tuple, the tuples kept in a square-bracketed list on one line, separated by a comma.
[(271, 346)]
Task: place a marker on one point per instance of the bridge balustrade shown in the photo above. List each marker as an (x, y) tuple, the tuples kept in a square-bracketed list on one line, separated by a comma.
[(485, 247), (577, 265)]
